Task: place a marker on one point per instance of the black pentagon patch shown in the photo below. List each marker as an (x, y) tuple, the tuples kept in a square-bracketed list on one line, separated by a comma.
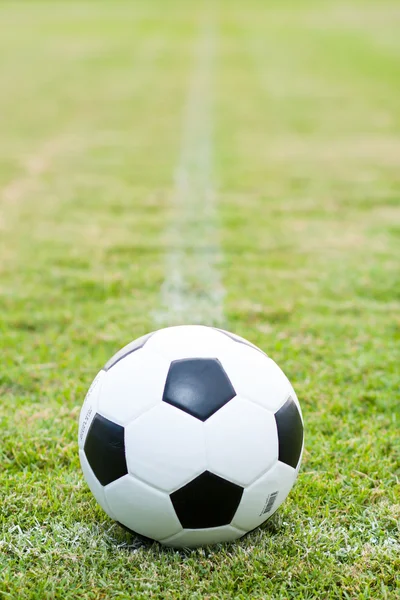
[(238, 340), (198, 386), (290, 433), (105, 450), (128, 349), (207, 501)]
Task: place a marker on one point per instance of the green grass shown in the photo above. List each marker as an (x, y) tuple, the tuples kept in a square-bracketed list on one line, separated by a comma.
[(306, 155)]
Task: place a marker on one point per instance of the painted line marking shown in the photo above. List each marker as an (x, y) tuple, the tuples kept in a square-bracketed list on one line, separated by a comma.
[(193, 291)]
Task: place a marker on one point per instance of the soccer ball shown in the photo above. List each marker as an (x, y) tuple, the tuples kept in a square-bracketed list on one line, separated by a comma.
[(190, 435)]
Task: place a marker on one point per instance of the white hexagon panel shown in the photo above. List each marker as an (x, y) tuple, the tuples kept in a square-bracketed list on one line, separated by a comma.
[(256, 377), (95, 486), (165, 447), (141, 508), (241, 441), (188, 341), (190, 538), (133, 385), (89, 407), (261, 499), (240, 340)]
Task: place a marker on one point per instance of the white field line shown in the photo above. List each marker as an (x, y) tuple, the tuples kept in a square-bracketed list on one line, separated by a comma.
[(192, 291)]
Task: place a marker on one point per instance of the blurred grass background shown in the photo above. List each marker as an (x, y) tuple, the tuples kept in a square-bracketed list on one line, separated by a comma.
[(306, 155)]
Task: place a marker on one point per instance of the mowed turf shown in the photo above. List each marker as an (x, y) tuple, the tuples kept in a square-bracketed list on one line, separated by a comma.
[(303, 155)]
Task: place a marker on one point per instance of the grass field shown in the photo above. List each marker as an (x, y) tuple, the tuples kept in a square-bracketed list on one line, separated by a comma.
[(231, 163)]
